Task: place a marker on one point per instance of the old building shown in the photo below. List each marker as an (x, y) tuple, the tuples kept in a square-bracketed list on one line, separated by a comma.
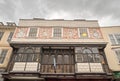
[(58, 50), (6, 32)]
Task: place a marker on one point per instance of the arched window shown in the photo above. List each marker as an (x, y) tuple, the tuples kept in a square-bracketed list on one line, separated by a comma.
[(87, 55), (29, 50)]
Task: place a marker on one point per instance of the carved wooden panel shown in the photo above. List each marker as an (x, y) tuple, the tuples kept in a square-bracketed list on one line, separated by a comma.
[(96, 67), (23, 66), (83, 67), (19, 66)]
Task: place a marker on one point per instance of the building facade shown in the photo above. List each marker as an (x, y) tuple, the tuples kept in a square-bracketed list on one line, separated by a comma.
[(6, 32), (59, 50)]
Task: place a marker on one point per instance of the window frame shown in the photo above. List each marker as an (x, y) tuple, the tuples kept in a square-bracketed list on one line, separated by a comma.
[(23, 52), (1, 34), (53, 32), (33, 34), (10, 36), (114, 39), (80, 33), (3, 55), (87, 55), (118, 58)]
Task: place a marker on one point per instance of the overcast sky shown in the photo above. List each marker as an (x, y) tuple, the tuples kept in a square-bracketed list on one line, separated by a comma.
[(107, 12)]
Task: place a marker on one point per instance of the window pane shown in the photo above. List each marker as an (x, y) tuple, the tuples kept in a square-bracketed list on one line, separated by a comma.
[(57, 32), (10, 36), (87, 51), (95, 50), (88, 55), (20, 50), (80, 57), (1, 34), (117, 36), (29, 50), (27, 54), (2, 55), (37, 49), (33, 32), (30, 57), (78, 50), (112, 39), (85, 58), (118, 55), (21, 58), (97, 58), (83, 32)]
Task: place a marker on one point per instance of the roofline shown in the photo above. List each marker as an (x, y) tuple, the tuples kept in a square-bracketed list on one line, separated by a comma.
[(41, 19), (6, 26), (108, 26)]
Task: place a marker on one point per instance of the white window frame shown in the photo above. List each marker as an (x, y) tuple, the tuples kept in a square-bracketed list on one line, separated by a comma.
[(116, 42), (80, 32), (36, 33), (61, 32), (1, 34), (118, 59)]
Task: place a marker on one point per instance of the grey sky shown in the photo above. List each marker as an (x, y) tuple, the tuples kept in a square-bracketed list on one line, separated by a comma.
[(105, 11)]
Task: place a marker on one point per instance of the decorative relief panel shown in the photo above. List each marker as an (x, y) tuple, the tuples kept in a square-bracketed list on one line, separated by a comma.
[(66, 33), (70, 33), (45, 33), (95, 33), (20, 33)]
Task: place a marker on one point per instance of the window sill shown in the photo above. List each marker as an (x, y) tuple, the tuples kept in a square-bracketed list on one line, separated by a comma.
[(115, 44)]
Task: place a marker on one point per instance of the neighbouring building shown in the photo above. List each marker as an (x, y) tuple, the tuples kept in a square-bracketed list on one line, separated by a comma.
[(61, 50), (6, 32), (112, 50)]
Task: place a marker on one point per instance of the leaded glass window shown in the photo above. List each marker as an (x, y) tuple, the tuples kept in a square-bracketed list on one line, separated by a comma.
[(90, 54), (57, 32), (27, 54), (33, 32), (83, 32)]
